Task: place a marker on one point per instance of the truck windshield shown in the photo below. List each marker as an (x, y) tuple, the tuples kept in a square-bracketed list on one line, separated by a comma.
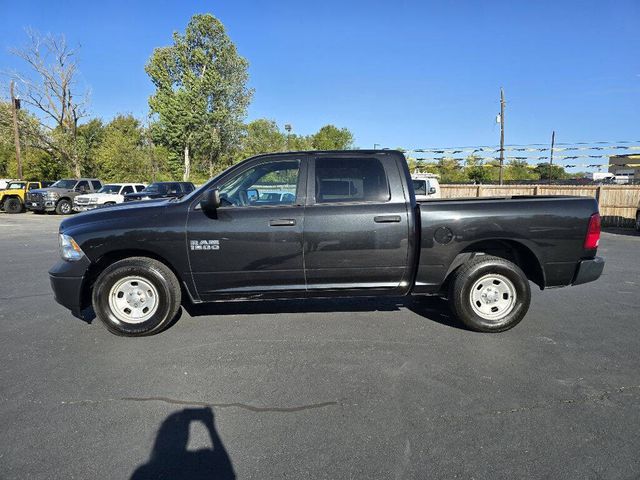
[(110, 189), (67, 184)]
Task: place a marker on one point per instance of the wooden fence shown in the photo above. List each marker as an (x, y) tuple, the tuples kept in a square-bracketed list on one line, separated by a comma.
[(618, 203)]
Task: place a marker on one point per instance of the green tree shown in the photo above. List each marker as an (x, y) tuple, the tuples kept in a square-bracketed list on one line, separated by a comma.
[(519, 170), (37, 162), (475, 170), (450, 171), (120, 156), (557, 172), (263, 136), (331, 137), (90, 137), (201, 95)]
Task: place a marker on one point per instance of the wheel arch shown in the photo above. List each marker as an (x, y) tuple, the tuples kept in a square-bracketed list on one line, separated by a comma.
[(98, 266), (508, 249)]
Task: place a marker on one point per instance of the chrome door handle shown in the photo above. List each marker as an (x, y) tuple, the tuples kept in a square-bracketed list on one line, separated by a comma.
[(282, 222)]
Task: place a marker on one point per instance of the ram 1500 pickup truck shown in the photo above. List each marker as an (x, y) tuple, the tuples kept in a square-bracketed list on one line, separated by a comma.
[(350, 227)]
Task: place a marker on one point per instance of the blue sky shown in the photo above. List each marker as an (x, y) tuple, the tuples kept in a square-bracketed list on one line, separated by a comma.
[(408, 74)]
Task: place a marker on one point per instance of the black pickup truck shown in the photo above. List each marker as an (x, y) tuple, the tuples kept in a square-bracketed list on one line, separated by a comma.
[(322, 224)]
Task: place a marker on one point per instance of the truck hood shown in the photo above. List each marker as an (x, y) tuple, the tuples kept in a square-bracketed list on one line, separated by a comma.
[(136, 213), (60, 191), (97, 195)]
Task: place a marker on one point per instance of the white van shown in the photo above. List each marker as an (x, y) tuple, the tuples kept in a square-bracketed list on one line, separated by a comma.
[(426, 186)]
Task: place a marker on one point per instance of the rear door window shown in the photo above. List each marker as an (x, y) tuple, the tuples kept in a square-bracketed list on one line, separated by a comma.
[(139, 188), (82, 186), (96, 184), (350, 180), (126, 189)]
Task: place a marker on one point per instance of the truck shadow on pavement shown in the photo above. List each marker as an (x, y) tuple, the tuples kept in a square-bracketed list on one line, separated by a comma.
[(170, 458), (432, 308), (435, 309)]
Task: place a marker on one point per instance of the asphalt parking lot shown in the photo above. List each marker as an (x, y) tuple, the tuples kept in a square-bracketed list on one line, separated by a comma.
[(371, 388)]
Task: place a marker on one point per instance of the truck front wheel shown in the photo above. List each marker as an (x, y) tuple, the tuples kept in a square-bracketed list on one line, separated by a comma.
[(13, 205), (63, 207), (136, 296), (489, 294)]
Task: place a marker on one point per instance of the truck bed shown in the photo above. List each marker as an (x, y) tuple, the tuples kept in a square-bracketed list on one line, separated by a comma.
[(553, 227)]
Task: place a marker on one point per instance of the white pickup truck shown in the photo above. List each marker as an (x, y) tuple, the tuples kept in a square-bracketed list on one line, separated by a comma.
[(426, 186), (109, 194)]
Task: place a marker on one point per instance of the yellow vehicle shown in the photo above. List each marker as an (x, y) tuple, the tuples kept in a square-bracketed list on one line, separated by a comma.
[(12, 198)]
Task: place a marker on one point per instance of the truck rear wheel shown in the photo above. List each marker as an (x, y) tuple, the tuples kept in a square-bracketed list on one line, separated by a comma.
[(489, 294), (136, 296), (13, 205)]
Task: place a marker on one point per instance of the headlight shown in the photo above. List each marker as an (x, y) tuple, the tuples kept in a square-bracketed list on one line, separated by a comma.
[(69, 249), (52, 195)]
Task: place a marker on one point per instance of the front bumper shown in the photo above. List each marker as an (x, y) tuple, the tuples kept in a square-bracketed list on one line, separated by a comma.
[(588, 270), (84, 208), (67, 280), (41, 205)]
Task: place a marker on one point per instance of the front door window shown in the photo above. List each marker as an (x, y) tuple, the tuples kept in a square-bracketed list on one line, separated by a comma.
[(267, 184)]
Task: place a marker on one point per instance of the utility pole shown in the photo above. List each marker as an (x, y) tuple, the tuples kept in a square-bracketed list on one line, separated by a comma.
[(553, 141), (501, 132), (15, 106)]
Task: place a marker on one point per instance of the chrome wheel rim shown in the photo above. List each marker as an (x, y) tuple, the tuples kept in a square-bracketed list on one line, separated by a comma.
[(65, 207), (133, 300), (493, 296)]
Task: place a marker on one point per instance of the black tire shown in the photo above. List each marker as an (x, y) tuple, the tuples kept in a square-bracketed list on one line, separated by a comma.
[(13, 205), (157, 274), (63, 207), (497, 283)]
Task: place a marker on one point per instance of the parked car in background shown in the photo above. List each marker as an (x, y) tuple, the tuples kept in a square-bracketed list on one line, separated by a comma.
[(12, 198), (270, 198), (59, 196), (161, 190), (426, 186), (109, 194)]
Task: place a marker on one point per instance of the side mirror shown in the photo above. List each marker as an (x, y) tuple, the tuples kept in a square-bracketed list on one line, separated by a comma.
[(210, 200), (432, 190), (253, 195)]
